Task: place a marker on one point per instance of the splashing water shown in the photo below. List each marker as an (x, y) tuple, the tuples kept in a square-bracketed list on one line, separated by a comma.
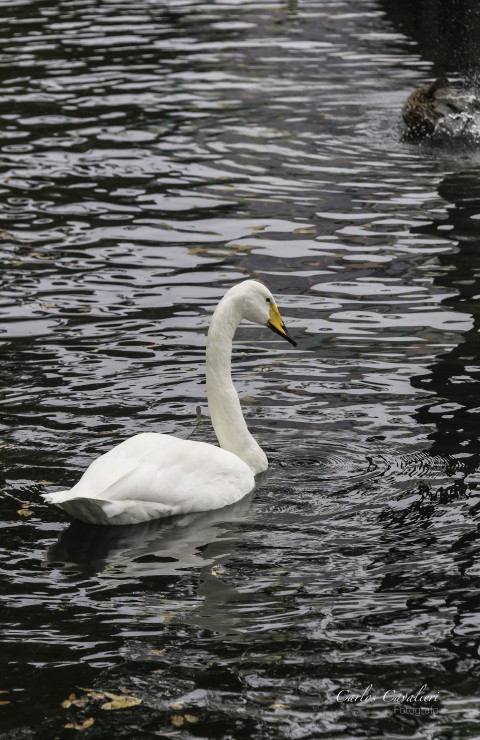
[(459, 127)]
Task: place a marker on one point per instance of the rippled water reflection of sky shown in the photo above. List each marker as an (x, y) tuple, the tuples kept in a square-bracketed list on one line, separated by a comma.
[(153, 154)]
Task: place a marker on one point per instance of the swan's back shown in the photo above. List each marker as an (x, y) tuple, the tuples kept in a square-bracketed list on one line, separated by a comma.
[(150, 476)]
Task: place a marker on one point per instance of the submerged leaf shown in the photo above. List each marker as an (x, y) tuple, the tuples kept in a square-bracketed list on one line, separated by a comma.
[(84, 726), (40, 256), (25, 511), (117, 701), (122, 702), (68, 702), (192, 718), (74, 701), (177, 720)]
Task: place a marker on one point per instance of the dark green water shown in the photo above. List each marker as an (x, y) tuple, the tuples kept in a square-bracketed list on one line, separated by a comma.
[(152, 155)]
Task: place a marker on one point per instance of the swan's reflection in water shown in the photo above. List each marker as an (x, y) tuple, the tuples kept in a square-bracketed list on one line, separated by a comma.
[(164, 547)]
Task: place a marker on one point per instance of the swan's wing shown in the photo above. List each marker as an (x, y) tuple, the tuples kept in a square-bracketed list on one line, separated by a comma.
[(122, 466)]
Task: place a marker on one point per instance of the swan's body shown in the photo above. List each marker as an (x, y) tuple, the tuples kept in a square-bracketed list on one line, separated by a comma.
[(428, 107), (152, 475)]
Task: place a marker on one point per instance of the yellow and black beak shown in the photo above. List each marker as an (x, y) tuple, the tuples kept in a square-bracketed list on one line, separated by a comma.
[(275, 323)]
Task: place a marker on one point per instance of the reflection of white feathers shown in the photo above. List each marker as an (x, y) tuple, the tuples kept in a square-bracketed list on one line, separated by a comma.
[(154, 548), (150, 475)]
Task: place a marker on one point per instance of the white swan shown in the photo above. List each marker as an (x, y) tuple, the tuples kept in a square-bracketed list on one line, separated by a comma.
[(154, 475)]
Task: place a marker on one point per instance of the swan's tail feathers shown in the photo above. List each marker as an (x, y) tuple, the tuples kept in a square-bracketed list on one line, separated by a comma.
[(55, 498), (101, 511)]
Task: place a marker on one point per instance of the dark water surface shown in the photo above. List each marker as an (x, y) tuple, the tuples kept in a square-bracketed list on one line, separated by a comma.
[(152, 155)]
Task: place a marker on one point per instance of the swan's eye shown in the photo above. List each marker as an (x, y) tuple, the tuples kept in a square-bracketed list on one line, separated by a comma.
[(269, 300)]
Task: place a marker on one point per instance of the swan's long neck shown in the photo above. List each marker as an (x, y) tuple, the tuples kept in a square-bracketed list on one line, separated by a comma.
[(223, 402)]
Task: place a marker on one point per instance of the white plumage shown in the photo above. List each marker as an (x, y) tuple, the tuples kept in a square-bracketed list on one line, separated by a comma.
[(152, 475)]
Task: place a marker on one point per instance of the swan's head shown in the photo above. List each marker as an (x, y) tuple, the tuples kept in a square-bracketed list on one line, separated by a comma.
[(258, 305)]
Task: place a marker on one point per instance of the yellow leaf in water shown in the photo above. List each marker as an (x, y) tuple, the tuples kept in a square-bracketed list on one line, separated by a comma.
[(156, 652), (39, 256), (81, 701), (84, 726), (177, 720), (305, 230), (68, 702), (192, 718), (73, 701), (24, 511), (177, 704), (109, 695), (278, 706), (123, 702), (4, 702), (91, 694)]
